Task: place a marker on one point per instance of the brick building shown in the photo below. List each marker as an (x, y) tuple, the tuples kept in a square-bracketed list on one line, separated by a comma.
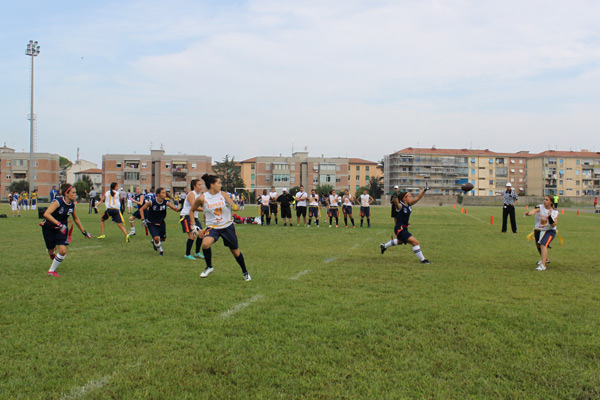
[(15, 167)]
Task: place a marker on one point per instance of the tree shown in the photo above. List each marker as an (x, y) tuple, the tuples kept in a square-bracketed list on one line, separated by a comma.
[(381, 165), (360, 191), (19, 186), (376, 186), (88, 180), (323, 190), (294, 190), (229, 173), (64, 162), (81, 187)]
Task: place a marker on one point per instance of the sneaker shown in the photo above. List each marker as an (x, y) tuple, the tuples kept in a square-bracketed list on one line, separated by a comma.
[(207, 271), (199, 255), (382, 247), (425, 261), (53, 273), (190, 257), (161, 253), (247, 277), (541, 268), (101, 237), (308, 226), (330, 226), (346, 226), (353, 227), (336, 226), (132, 233), (127, 238)]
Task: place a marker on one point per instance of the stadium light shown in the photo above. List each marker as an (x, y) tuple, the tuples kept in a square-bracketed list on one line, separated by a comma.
[(33, 50)]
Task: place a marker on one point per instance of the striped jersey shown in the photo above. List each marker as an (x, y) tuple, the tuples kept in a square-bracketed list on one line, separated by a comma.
[(112, 201)]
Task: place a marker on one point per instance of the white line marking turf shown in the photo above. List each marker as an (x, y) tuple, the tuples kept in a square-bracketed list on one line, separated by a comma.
[(94, 384), (299, 274), (241, 306)]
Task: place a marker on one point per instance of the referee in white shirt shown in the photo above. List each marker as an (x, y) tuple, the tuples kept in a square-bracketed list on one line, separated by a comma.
[(510, 199)]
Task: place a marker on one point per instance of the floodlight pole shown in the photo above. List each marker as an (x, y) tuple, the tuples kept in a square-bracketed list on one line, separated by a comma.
[(32, 50)]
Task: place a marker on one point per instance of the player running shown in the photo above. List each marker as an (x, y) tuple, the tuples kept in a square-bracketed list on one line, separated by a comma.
[(334, 201), (155, 218), (113, 210), (347, 201), (313, 207), (545, 228), (138, 199), (365, 207), (54, 226), (218, 223), (403, 204), (188, 220)]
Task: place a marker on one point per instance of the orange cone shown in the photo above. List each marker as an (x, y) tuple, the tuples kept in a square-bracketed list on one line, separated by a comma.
[(492, 220)]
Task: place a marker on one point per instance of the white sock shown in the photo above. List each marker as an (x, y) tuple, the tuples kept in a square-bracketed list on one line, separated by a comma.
[(57, 260), (418, 252), (393, 242), (133, 229)]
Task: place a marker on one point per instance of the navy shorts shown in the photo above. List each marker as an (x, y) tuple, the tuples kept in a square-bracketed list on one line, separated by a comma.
[(313, 211), (286, 212), (347, 210), (136, 214), (264, 210), (301, 211), (53, 237), (546, 238), (402, 234), (185, 224), (113, 213), (334, 212), (157, 229), (273, 208), (365, 211), (228, 234)]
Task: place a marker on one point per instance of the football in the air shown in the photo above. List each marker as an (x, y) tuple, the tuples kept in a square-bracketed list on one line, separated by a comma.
[(467, 187)]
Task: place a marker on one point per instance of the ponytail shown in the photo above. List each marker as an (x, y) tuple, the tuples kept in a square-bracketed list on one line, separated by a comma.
[(112, 187), (209, 180)]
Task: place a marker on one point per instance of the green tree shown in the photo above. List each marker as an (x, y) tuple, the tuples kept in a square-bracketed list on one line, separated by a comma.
[(294, 190), (81, 187), (229, 173), (360, 191), (376, 186), (64, 162), (19, 186), (88, 180), (323, 190), (381, 165)]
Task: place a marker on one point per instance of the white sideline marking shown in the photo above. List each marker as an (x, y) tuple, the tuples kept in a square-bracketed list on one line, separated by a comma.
[(94, 384), (87, 247), (299, 274), (478, 219), (331, 259), (354, 247), (241, 306)]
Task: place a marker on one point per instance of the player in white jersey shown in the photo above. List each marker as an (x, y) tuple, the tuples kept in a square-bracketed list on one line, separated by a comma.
[(347, 202), (113, 210), (273, 203), (263, 200), (301, 197), (334, 202), (365, 207), (188, 220), (219, 224), (545, 228), (313, 207)]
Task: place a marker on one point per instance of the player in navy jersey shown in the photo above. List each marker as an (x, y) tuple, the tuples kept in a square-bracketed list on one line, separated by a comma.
[(154, 213), (403, 204), (54, 226), (138, 199)]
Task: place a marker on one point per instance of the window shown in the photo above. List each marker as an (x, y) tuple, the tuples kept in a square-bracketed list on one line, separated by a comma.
[(267, 179), (512, 171), (417, 169), (37, 164), (252, 186), (577, 162), (338, 180), (577, 172), (252, 177), (577, 182), (561, 182), (491, 160), (194, 165), (118, 165), (512, 179), (560, 192), (520, 171), (403, 169), (338, 167), (316, 180), (267, 167), (8, 163), (472, 161), (8, 176), (512, 161), (119, 177), (357, 168), (252, 166), (293, 167), (367, 178), (560, 161), (577, 193), (520, 161), (143, 177), (144, 165), (132, 176), (491, 181), (561, 173), (357, 178), (520, 179), (473, 181), (491, 172), (357, 187), (491, 192), (281, 178), (367, 168), (293, 179), (167, 165), (472, 171)]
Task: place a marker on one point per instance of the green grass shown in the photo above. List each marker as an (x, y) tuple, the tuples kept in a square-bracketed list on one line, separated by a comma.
[(326, 315)]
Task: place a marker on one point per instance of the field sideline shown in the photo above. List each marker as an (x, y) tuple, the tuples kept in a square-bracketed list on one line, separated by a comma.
[(325, 316)]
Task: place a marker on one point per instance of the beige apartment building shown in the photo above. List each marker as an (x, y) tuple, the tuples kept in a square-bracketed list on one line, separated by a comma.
[(173, 172), (15, 167), (566, 173), (299, 169)]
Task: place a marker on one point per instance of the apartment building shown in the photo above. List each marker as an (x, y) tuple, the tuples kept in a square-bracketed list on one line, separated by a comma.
[(566, 173), (280, 171), (14, 166), (173, 172), (95, 175)]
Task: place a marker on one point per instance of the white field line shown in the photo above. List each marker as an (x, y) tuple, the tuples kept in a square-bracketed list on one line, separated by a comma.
[(241, 306), (94, 384), (354, 247), (478, 219), (330, 259), (300, 274), (86, 247)]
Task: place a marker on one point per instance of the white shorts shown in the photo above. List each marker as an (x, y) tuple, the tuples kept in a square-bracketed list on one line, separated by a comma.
[(129, 203), (14, 205)]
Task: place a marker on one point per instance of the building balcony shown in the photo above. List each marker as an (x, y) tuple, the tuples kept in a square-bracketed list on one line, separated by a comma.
[(179, 171), (128, 182), (131, 169)]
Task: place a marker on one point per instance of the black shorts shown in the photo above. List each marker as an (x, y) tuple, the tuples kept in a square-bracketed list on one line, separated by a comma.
[(136, 214), (365, 211), (113, 213), (547, 237), (157, 229), (334, 212), (347, 210), (228, 234), (286, 212), (402, 234), (185, 224), (264, 210), (53, 237), (273, 208), (301, 211), (313, 211)]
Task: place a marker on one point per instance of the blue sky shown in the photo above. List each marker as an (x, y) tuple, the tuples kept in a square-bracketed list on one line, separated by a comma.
[(343, 78)]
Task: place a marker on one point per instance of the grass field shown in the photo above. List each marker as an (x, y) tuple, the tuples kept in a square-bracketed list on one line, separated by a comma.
[(326, 316)]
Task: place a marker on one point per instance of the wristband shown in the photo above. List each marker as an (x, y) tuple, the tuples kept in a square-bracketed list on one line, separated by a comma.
[(551, 220)]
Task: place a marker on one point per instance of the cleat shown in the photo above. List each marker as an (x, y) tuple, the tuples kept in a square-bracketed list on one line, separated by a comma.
[(382, 247), (353, 227), (127, 238), (132, 233), (346, 226), (199, 255), (161, 253), (53, 273), (330, 226), (425, 261), (207, 271), (190, 257), (336, 226), (541, 268), (247, 277), (101, 237), (308, 226)]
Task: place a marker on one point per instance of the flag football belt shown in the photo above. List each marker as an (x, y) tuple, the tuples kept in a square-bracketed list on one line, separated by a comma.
[(402, 228)]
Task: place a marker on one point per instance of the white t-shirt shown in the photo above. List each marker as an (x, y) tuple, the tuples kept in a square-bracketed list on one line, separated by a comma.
[(364, 200), (264, 199), (348, 200), (301, 203), (314, 200), (334, 200), (541, 218), (273, 197), (187, 206), (217, 214), (112, 201)]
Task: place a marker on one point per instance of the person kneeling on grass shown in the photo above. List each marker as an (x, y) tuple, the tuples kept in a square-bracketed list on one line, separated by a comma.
[(155, 218), (545, 229), (403, 204), (54, 226), (219, 224)]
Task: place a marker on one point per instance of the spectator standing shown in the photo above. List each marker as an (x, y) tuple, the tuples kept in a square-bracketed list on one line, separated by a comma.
[(92, 196), (285, 200)]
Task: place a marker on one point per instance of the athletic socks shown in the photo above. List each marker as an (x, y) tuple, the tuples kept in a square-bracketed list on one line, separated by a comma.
[(198, 245), (309, 221), (132, 229), (393, 242), (361, 222), (158, 245), (241, 262), (418, 252), (346, 221), (276, 221), (208, 257), (369, 222), (352, 220), (188, 246), (56, 262)]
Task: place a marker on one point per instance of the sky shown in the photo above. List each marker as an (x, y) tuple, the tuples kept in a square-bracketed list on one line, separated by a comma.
[(348, 78)]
